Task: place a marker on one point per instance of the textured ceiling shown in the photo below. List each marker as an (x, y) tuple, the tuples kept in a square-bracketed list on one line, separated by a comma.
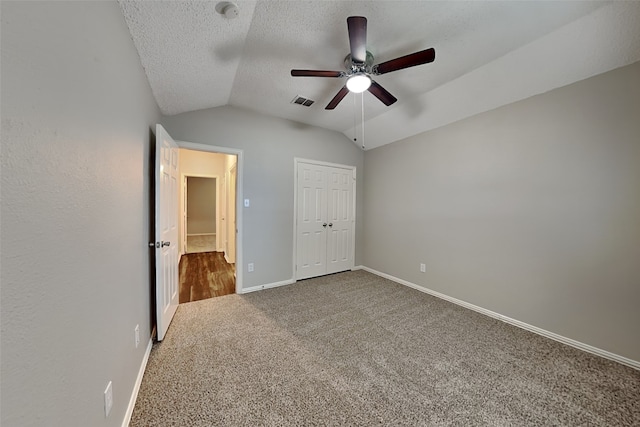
[(487, 54)]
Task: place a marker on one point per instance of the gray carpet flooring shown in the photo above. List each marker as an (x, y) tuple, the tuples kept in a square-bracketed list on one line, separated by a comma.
[(356, 349)]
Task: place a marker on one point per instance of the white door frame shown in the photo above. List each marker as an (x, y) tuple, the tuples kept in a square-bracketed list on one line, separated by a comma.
[(183, 204), (239, 174), (296, 161), (232, 172)]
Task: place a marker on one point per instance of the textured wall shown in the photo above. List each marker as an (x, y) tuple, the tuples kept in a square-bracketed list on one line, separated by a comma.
[(202, 163), (270, 146), (76, 118), (531, 210)]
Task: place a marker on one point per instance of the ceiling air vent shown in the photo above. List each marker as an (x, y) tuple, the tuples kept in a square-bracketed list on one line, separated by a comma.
[(301, 100)]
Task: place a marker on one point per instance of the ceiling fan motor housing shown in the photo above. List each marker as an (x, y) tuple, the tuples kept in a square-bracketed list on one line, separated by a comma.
[(354, 67)]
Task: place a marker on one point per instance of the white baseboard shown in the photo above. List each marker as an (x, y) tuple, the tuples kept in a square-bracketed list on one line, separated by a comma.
[(562, 339), (267, 286), (136, 386)]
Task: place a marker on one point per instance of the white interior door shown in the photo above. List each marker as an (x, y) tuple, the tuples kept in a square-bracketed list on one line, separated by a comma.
[(222, 230), (340, 219), (325, 217), (166, 206)]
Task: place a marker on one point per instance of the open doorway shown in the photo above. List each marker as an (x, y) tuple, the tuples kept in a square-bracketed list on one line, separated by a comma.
[(200, 212), (207, 224)]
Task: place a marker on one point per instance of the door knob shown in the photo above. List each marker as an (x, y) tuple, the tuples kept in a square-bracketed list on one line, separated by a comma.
[(165, 244), (330, 224), (324, 225)]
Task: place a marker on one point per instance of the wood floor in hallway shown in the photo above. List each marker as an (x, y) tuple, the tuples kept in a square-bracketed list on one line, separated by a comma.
[(205, 275)]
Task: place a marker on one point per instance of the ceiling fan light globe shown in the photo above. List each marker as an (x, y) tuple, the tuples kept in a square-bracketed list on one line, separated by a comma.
[(358, 83)]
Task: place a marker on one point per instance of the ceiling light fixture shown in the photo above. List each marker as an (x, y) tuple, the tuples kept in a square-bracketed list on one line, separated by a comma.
[(358, 83)]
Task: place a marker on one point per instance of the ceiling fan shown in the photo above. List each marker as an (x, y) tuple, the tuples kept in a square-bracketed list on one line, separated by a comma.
[(360, 68)]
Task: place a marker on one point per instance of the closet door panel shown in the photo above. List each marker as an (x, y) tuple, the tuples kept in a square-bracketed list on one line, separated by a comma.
[(311, 241), (340, 212)]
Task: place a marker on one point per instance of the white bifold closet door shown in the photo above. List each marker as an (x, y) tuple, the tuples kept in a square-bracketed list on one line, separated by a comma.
[(325, 219)]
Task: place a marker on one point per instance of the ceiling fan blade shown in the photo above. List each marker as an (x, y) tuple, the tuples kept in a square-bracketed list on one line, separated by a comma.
[(411, 60), (316, 73), (336, 99), (381, 93), (357, 26)]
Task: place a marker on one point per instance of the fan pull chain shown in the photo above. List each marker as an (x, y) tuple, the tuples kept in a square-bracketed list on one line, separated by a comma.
[(362, 103), (355, 120)]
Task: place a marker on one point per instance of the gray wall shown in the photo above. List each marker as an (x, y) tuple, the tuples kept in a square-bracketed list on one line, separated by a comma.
[(201, 205), (269, 145), (531, 210), (76, 117)]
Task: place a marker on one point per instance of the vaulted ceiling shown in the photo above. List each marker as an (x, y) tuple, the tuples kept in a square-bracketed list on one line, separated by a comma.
[(488, 54)]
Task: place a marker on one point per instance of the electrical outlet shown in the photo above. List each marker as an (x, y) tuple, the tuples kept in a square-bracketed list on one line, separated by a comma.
[(250, 267), (423, 268), (137, 335), (108, 399)]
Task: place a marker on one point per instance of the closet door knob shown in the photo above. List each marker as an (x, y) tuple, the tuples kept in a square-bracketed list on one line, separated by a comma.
[(330, 224), (324, 225)]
